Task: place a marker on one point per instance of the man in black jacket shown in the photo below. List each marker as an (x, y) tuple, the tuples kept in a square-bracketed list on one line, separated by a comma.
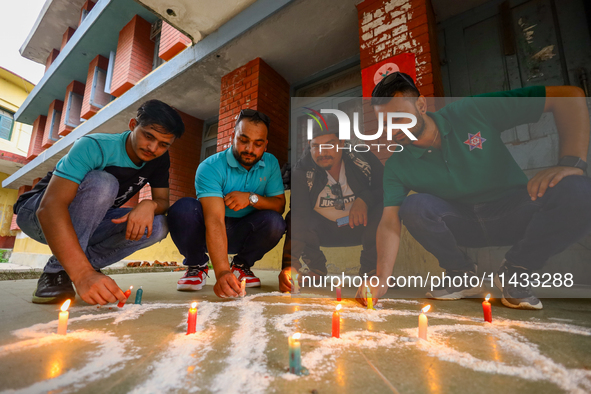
[(337, 201)]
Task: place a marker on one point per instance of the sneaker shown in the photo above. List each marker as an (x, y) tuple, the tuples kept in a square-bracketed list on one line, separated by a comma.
[(514, 295), (194, 279), (447, 292), (245, 273), (53, 288)]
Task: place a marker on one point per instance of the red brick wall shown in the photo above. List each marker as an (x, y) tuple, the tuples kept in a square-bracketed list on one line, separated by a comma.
[(78, 88), (67, 35), (256, 85), (172, 42), (87, 6), (13, 157), (58, 105), (21, 190), (52, 55), (88, 110), (388, 28), (35, 146), (133, 59)]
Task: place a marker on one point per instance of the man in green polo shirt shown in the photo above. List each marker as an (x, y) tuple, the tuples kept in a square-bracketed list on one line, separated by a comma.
[(471, 192), (239, 207)]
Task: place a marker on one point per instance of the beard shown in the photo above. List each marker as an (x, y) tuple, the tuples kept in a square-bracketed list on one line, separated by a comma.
[(245, 159), (417, 131)]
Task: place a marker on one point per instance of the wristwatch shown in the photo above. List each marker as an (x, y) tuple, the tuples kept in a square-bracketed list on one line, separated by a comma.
[(573, 161), (253, 198)]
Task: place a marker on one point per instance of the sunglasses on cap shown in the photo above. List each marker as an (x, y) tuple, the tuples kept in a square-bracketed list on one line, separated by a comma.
[(253, 114), (381, 89)]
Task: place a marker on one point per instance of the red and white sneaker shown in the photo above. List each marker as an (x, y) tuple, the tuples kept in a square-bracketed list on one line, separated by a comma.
[(246, 273), (193, 280)]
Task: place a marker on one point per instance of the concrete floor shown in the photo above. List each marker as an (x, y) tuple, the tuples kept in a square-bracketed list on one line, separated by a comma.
[(241, 345)]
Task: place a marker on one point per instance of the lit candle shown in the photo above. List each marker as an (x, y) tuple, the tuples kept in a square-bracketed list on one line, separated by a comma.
[(295, 354), (192, 320), (127, 294), (296, 285), (62, 325), (336, 322), (339, 293), (369, 298), (243, 288), (487, 309), (423, 322), (138, 295)]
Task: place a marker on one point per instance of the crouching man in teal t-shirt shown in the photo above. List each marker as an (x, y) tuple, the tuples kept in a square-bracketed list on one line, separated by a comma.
[(76, 208), (240, 200), (470, 192)]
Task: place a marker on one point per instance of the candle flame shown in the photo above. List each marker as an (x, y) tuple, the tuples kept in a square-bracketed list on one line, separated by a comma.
[(130, 287), (194, 305), (426, 309), (296, 336), (487, 297), (66, 305), (338, 308)]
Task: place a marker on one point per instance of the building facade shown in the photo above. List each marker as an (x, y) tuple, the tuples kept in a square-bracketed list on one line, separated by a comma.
[(210, 61)]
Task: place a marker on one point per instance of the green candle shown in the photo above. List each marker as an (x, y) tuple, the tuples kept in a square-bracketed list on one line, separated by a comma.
[(138, 295), (295, 354)]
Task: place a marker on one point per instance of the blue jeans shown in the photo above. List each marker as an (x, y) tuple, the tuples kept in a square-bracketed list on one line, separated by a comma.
[(536, 230), (102, 240), (250, 237)]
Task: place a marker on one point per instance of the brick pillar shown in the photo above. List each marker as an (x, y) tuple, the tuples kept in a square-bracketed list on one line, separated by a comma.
[(86, 7), (100, 97), (21, 190), (172, 42), (66, 37), (133, 59), (57, 105), (35, 146), (389, 28), (184, 159), (52, 55), (77, 88), (256, 85)]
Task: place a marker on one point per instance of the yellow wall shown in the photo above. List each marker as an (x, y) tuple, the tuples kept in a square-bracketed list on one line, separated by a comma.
[(13, 92), (7, 199)]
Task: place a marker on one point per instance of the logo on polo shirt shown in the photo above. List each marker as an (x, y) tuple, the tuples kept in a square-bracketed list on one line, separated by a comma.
[(475, 141)]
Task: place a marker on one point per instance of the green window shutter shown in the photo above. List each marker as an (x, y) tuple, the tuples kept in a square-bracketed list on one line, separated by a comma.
[(5, 127)]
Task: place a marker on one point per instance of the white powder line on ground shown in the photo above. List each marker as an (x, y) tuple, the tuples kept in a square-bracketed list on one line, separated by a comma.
[(108, 359), (175, 368), (246, 370)]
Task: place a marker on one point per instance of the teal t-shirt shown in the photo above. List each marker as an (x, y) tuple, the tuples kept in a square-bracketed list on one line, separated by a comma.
[(221, 174), (473, 165)]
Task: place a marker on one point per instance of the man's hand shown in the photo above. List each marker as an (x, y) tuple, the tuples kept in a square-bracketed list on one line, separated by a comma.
[(227, 285), (138, 219), (358, 213), (376, 293), (549, 177), (237, 200), (285, 280), (96, 288)]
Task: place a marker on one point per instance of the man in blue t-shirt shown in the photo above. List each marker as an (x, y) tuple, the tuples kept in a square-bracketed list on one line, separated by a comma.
[(239, 206), (76, 208)]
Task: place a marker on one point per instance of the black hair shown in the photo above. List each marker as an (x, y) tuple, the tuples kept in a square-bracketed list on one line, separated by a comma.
[(253, 116), (157, 112), (396, 82)]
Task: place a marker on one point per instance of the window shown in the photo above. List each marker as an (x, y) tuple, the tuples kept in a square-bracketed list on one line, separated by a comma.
[(73, 110), (56, 116), (155, 34), (6, 124), (98, 97), (210, 140), (109, 77), (83, 16)]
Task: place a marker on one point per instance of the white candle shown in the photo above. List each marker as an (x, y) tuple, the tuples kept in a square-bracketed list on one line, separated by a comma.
[(243, 288), (423, 322), (62, 325)]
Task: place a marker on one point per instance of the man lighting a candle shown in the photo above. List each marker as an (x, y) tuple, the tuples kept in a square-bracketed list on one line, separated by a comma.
[(76, 208), (240, 200), (470, 190)]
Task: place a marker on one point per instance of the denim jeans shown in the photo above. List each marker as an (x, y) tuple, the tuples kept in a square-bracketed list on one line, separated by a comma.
[(250, 237), (536, 230), (102, 240)]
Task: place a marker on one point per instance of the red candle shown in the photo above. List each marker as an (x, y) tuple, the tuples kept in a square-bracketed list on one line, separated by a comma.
[(336, 322), (192, 320), (487, 309), (339, 293), (127, 294)]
